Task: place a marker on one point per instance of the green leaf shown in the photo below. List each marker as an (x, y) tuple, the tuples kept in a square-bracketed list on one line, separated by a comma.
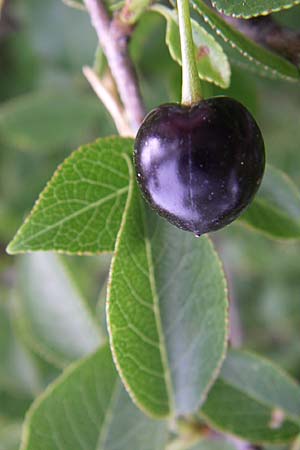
[(240, 8), (210, 444), (19, 374), (10, 434), (211, 61), (266, 61), (276, 208), (52, 314), (254, 400), (167, 312), (86, 409), (81, 208), (50, 120), (77, 4)]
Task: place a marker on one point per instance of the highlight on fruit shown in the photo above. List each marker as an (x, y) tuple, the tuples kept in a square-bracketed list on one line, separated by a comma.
[(200, 166)]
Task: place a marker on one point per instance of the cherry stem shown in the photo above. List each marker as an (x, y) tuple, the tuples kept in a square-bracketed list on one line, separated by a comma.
[(191, 89)]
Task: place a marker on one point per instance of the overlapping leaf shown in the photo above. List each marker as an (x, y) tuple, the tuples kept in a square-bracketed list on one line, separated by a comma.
[(167, 312), (81, 208), (242, 8), (267, 62), (53, 316), (254, 399), (211, 61), (86, 409), (276, 208)]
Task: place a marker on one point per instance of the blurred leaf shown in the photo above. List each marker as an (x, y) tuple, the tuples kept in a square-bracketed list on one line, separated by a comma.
[(18, 372), (167, 312), (77, 4), (81, 208), (254, 399), (62, 38), (48, 120), (210, 444), (87, 408), (10, 435), (276, 208), (269, 62), (53, 316), (211, 61), (242, 8)]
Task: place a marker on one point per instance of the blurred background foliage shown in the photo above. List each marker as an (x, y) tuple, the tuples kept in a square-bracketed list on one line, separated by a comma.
[(47, 110)]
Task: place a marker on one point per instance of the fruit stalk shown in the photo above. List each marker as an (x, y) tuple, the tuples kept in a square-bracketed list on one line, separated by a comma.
[(191, 90)]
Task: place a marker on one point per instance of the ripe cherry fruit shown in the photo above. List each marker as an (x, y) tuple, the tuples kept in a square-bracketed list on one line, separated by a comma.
[(200, 166)]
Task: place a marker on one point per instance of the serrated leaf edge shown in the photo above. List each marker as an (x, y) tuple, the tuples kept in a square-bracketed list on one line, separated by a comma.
[(263, 13), (115, 358), (49, 390), (9, 248), (269, 70)]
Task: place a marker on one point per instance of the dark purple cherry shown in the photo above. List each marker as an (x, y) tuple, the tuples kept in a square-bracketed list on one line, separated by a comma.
[(200, 166)]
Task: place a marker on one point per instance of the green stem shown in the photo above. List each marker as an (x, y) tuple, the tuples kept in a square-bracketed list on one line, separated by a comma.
[(191, 90)]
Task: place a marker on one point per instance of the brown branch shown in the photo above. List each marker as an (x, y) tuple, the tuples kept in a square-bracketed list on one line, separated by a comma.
[(265, 31), (114, 37)]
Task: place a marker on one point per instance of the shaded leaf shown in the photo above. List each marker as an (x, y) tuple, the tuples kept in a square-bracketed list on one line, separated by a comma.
[(268, 62), (53, 316), (86, 409), (276, 208), (10, 435), (211, 61), (254, 399), (211, 444), (167, 312), (80, 209), (242, 8), (50, 120), (18, 372)]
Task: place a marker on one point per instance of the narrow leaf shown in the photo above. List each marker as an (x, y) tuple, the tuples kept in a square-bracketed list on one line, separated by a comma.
[(240, 8), (167, 312), (254, 400), (211, 61), (276, 209), (81, 208), (268, 62), (87, 409), (53, 316)]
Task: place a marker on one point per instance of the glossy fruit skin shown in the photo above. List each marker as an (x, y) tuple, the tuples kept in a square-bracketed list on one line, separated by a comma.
[(200, 166)]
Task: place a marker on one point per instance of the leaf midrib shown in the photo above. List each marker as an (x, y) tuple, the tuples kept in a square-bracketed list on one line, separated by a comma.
[(99, 202)]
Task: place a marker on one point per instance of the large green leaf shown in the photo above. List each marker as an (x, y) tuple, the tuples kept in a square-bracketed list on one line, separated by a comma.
[(52, 314), (240, 8), (267, 62), (167, 312), (87, 409), (81, 208), (276, 208), (50, 120), (254, 399), (211, 61)]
